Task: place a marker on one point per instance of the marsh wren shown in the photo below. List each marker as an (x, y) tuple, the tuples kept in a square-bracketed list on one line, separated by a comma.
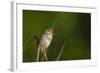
[(43, 43)]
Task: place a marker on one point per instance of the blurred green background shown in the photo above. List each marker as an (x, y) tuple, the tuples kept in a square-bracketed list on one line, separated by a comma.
[(74, 28)]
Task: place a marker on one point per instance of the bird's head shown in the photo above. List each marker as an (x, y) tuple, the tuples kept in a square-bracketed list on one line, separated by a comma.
[(49, 31)]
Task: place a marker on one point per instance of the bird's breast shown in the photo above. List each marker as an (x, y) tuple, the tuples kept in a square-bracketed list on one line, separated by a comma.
[(46, 40)]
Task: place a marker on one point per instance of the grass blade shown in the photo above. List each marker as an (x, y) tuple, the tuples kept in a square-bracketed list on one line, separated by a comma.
[(61, 51)]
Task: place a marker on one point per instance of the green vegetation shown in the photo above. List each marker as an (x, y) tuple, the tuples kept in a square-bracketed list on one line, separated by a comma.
[(72, 34)]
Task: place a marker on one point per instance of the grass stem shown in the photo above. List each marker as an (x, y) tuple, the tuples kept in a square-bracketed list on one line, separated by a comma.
[(38, 53), (61, 51)]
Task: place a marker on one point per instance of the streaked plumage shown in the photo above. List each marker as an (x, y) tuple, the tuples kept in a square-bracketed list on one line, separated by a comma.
[(43, 43)]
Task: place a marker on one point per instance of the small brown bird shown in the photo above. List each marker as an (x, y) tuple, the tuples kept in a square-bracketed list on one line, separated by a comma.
[(43, 43)]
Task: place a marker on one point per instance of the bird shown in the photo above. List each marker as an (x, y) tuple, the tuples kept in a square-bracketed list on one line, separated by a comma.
[(43, 43)]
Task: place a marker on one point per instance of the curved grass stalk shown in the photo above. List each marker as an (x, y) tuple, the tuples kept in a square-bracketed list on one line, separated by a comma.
[(27, 42), (60, 52)]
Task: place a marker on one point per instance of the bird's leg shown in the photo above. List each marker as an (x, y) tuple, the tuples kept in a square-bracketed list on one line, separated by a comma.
[(46, 58), (42, 58), (44, 55)]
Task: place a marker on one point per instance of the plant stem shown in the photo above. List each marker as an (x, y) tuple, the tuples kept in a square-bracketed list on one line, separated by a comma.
[(38, 52), (61, 51)]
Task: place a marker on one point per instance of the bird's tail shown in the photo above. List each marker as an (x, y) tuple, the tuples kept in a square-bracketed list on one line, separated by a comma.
[(34, 36)]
